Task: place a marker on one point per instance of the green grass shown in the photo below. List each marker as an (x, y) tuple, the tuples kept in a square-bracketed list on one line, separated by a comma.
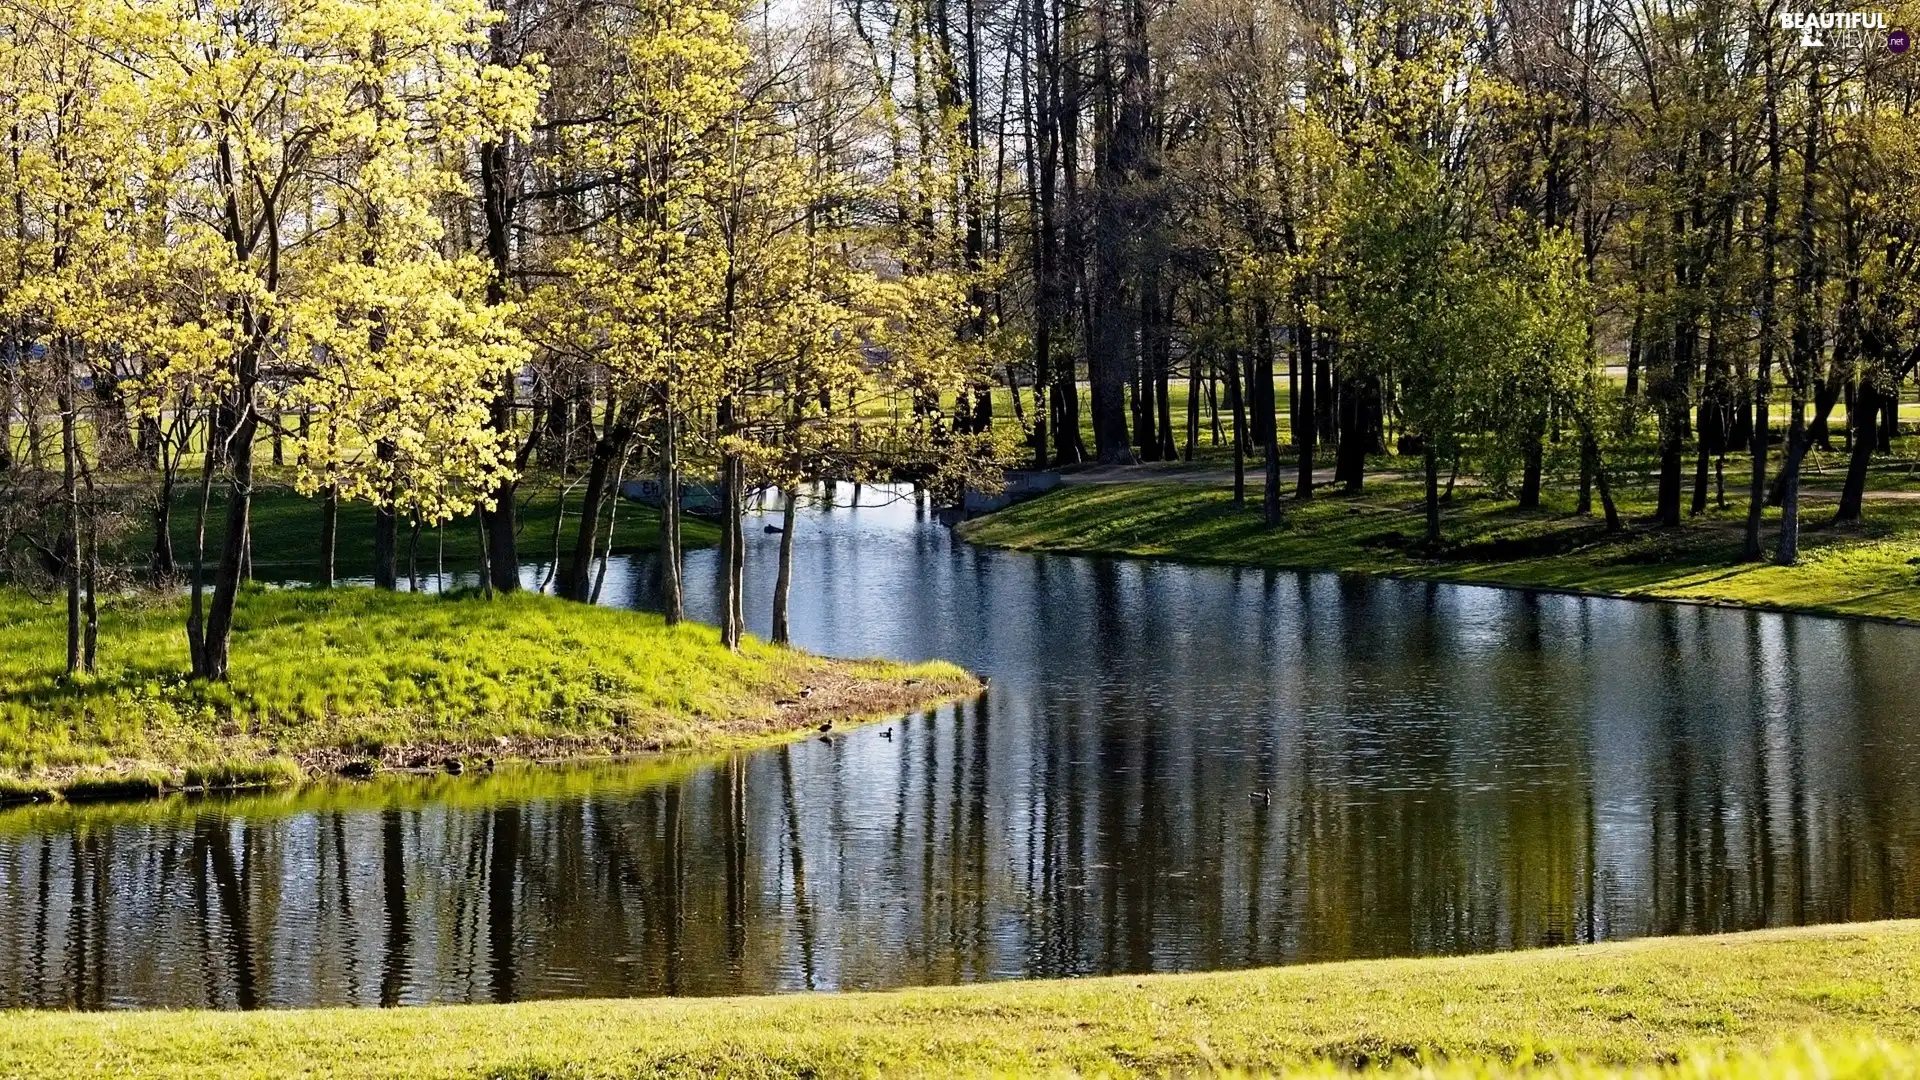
[(286, 531), (1864, 570), (321, 677), (1676, 1007)]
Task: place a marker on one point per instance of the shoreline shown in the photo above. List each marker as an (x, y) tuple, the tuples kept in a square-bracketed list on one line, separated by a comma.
[(1171, 559), (352, 683), (133, 780), (1015, 529)]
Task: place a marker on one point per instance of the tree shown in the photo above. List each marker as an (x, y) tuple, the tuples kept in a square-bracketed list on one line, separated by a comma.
[(301, 228)]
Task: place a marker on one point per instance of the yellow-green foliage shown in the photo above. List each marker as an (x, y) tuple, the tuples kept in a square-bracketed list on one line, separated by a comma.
[(361, 670), (1854, 571), (1679, 1008)]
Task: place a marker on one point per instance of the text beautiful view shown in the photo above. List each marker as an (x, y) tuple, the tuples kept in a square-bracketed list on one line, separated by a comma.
[(815, 538)]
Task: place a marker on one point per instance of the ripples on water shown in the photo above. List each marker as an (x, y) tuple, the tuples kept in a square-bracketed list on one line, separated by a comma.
[(1176, 768)]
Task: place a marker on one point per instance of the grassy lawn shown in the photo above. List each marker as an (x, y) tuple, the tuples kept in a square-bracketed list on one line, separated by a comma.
[(286, 531), (1856, 570), (1834, 1001), (324, 677)]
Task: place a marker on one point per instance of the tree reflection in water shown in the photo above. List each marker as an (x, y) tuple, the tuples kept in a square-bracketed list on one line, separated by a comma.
[(1176, 768)]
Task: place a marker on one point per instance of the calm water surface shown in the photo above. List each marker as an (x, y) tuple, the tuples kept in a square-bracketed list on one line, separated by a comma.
[(1175, 768)]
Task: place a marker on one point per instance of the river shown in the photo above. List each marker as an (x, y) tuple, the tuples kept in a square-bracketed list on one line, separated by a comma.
[(1175, 768)]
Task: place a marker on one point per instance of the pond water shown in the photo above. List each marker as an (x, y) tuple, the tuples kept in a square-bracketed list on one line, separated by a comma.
[(1175, 768)]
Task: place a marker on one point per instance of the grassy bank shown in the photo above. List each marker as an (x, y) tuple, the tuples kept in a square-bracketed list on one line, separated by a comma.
[(1637, 1004), (1861, 570), (324, 678)]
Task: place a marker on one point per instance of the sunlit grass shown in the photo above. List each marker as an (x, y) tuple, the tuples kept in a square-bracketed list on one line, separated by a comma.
[(363, 673), (1827, 1002), (1853, 570)]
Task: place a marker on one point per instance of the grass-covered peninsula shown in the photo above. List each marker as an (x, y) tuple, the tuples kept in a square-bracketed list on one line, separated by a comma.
[(1862, 569), (357, 678), (1833, 1002)]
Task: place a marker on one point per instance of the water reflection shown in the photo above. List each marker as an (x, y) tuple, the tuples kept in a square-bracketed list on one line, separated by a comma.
[(1176, 768)]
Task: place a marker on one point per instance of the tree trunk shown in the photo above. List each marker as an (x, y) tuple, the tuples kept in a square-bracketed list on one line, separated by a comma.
[(329, 534), (1806, 346), (1213, 404), (500, 529), (734, 555), (1866, 439), (1193, 404), (1261, 398), (1702, 466), (1350, 454), (783, 582), (1530, 470), (1270, 503), (1237, 403), (386, 548), (1306, 429), (607, 450), (89, 649), (1671, 395), (613, 526), (1432, 453), (1750, 548), (1122, 165), (672, 600), (1584, 504), (160, 560), (486, 567), (226, 581), (1601, 481), (413, 555), (9, 375), (386, 533), (1107, 373), (1787, 485), (70, 541), (1162, 372), (197, 605), (1325, 395), (1787, 549), (1667, 505)]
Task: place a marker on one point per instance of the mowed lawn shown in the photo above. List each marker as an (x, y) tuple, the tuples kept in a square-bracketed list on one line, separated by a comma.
[(1862, 570), (1824, 1002)]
